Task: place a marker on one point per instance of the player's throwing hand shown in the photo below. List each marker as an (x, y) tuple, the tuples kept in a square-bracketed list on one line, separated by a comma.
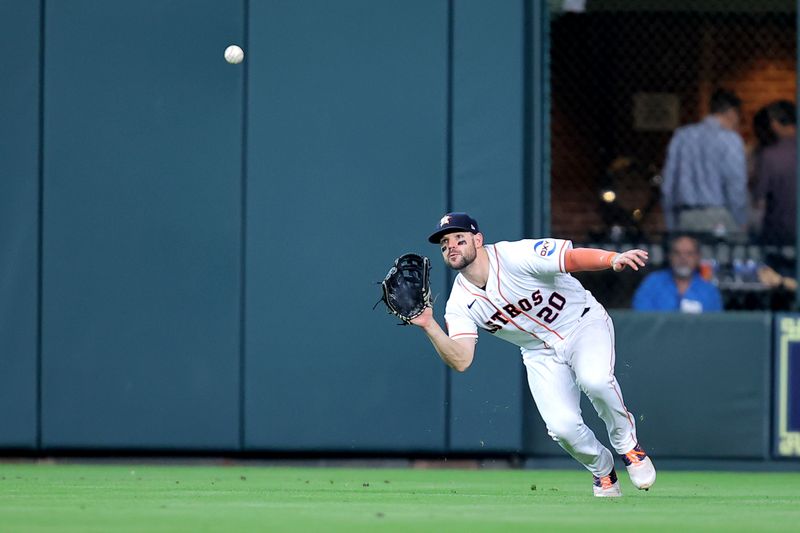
[(633, 258)]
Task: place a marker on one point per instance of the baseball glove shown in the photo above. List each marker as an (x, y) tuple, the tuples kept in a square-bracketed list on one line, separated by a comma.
[(406, 288)]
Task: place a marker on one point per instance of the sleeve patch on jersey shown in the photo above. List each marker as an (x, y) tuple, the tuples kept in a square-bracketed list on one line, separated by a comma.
[(545, 247)]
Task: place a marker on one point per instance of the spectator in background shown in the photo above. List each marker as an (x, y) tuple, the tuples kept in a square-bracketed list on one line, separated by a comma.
[(764, 136), (705, 175), (776, 177), (679, 287)]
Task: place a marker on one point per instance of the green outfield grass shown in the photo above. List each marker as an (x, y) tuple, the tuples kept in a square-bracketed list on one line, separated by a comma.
[(83, 498)]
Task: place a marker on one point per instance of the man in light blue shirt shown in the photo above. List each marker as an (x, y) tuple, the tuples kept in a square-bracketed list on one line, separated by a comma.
[(680, 287), (705, 176)]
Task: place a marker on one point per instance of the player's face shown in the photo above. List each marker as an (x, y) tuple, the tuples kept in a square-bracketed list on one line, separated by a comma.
[(458, 250)]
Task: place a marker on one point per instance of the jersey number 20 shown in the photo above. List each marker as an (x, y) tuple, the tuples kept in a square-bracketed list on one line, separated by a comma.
[(557, 302)]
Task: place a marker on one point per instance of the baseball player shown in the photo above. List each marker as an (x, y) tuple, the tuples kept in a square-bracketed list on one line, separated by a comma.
[(523, 293)]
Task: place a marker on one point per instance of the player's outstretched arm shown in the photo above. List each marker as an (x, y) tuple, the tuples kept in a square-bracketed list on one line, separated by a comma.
[(456, 353), (631, 258), (583, 259)]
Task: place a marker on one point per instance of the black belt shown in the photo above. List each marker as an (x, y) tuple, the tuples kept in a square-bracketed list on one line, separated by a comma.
[(691, 207), (586, 310)]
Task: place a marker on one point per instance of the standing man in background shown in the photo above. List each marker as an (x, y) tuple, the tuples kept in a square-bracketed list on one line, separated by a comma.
[(776, 177), (705, 175), (679, 287), (522, 292)]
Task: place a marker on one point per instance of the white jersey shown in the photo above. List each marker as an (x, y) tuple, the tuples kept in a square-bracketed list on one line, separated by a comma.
[(529, 300)]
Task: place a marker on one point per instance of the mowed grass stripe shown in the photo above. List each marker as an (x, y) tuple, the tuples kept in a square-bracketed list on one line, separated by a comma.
[(48, 497)]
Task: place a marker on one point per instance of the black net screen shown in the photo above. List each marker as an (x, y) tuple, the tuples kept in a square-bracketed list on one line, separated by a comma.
[(625, 75)]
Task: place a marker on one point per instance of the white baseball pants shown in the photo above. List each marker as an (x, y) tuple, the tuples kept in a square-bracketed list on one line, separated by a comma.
[(584, 361)]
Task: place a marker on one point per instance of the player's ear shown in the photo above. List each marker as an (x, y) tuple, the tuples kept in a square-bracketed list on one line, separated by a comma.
[(478, 240)]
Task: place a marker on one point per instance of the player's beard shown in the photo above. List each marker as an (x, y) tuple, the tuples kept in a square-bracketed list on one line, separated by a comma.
[(462, 261)]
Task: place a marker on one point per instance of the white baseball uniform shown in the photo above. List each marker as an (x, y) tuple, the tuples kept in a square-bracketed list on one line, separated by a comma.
[(565, 336)]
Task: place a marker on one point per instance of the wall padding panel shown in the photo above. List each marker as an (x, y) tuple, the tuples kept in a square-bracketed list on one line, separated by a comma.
[(486, 408), (698, 385), (346, 170), (142, 224), (19, 226)]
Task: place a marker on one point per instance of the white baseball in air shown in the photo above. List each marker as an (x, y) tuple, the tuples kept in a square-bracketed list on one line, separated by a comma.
[(234, 54)]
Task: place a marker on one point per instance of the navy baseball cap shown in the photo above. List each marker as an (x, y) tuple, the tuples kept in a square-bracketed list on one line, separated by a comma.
[(451, 223)]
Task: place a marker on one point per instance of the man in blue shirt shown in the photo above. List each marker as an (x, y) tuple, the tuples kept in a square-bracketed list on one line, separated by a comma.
[(705, 175), (680, 287)]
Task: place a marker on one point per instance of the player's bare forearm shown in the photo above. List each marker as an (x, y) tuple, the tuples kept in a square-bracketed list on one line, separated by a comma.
[(457, 355), (586, 259)]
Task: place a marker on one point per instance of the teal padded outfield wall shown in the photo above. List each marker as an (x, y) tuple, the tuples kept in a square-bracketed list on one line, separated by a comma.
[(347, 118), (141, 225), (189, 250), (488, 98), (698, 386), (19, 212)]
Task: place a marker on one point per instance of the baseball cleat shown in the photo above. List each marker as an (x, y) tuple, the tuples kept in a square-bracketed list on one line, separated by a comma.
[(640, 468), (606, 486)]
